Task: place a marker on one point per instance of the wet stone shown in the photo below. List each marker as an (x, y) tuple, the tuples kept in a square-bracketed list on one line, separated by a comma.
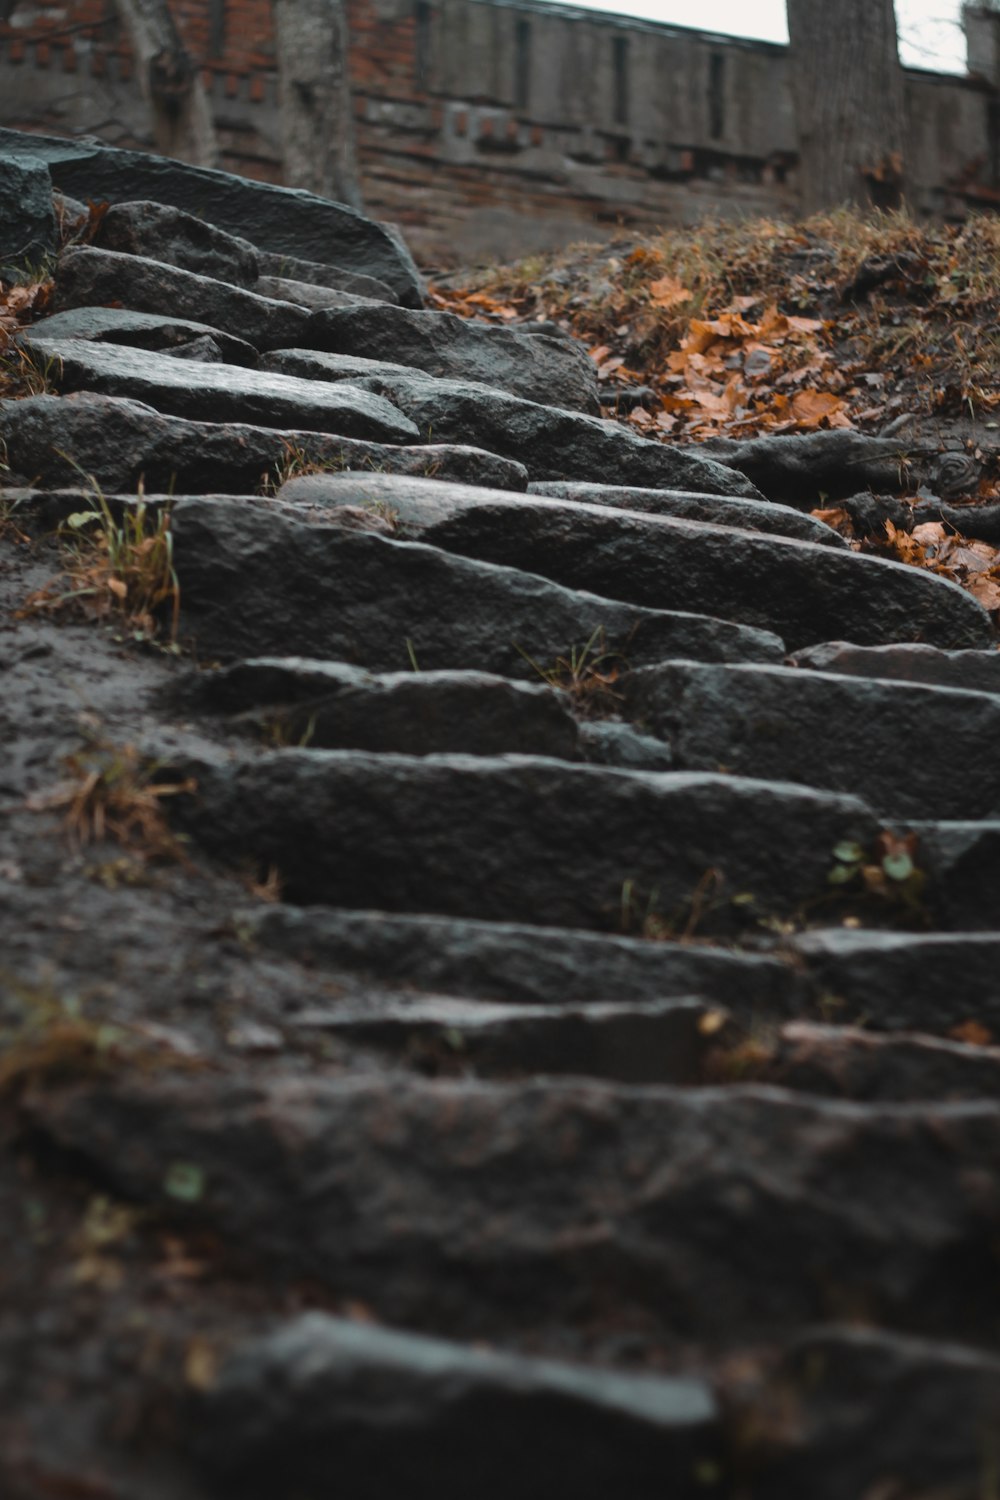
[(159, 232), (976, 671), (166, 335)]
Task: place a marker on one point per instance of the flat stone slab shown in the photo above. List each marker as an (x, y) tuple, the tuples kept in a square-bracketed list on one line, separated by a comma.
[(512, 838), (716, 1215), (517, 963), (897, 745), (551, 442), (859, 1404), (86, 277), (535, 367), (720, 510), (121, 441), (335, 706), (654, 1041), (848, 1062), (283, 220), (306, 294), (800, 591), (965, 855), (119, 325), (363, 598), (976, 671), (162, 233), (351, 1406), (314, 364), (906, 981), (219, 392), (334, 277)]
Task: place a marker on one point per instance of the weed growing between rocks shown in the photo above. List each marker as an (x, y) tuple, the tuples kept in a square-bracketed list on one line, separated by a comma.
[(116, 566), (587, 674), (112, 792)]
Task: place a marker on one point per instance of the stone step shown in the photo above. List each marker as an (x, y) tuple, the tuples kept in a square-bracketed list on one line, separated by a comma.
[(49, 439), (722, 1215), (653, 1041), (969, 851), (218, 392), (976, 671), (535, 367), (140, 330), (911, 751), (353, 1408), (362, 598), (285, 221), (862, 1412), (161, 233), (802, 592), (851, 1063), (719, 510), (87, 277), (551, 442), (902, 981), (520, 838), (313, 273), (517, 963)]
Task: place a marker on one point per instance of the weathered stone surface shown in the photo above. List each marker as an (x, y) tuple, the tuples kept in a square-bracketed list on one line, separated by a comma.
[(800, 591), (606, 742), (220, 392), (336, 278), (850, 1063), (513, 837), (204, 350), (965, 857), (305, 294), (322, 1404), (802, 468), (654, 1041), (139, 330), (321, 365), (361, 598), (846, 1408), (897, 745), (722, 510), (86, 277), (120, 441), (162, 233), (975, 671), (338, 706), (512, 962), (534, 368), (553, 443), (27, 218), (905, 981), (715, 1214), (283, 220)]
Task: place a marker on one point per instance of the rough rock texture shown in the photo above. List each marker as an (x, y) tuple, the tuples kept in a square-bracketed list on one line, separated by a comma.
[(87, 277), (802, 468), (361, 598), (792, 587), (139, 330), (284, 220), (336, 278), (119, 441), (369, 1408), (977, 671), (818, 729), (553, 443), (27, 219), (220, 392), (554, 371), (744, 514), (180, 239)]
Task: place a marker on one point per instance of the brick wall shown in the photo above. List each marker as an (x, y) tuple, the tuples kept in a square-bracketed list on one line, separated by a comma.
[(488, 128)]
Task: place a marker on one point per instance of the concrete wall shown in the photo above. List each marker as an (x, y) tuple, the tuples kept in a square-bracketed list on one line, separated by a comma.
[(488, 129)]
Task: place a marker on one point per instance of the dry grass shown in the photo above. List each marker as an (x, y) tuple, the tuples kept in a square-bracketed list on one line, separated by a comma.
[(116, 567), (587, 674)]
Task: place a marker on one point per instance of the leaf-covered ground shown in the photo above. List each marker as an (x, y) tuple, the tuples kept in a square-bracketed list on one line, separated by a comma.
[(765, 328)]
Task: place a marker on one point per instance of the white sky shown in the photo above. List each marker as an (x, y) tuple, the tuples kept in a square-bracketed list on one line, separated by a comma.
[(930, 33)]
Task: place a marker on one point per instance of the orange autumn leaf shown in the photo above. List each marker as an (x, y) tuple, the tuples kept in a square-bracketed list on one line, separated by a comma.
[(974, 1033), (811, 408), (668, 292)]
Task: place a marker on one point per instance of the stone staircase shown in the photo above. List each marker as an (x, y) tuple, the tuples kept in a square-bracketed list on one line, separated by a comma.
[(639, 855)]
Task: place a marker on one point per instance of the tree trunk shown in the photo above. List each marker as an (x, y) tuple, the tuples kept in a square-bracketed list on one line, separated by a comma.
[(317, 124), (847, 84), (170, 82)]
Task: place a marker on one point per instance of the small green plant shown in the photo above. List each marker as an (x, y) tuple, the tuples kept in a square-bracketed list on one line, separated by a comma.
[(116, 565), (887, 873), (587, 673), (289, 728), (385, 512), (23, 373), (640, 916)]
